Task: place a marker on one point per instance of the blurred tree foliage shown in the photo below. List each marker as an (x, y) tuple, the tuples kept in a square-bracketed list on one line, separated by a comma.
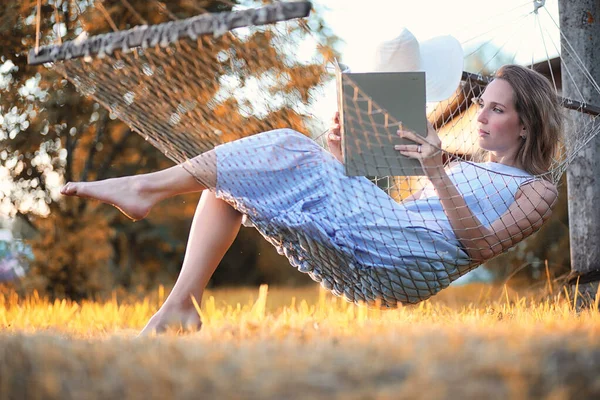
[(485, 58), (50, 134)]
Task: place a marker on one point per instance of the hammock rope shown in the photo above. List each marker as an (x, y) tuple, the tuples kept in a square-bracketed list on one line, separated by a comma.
[(176, 83)]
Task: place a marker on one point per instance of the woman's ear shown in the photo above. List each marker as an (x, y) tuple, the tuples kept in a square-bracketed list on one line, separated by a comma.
[(523, 133)]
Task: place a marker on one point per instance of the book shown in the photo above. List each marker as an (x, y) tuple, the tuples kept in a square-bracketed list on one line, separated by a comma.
[(372, 107)]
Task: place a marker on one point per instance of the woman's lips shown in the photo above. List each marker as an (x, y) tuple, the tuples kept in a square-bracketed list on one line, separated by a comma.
[(483, 133)]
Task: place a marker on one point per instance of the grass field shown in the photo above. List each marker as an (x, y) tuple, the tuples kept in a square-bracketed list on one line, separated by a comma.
[(474, 342)]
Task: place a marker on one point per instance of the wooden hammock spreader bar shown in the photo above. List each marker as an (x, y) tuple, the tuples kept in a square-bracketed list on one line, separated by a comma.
[(164, 34), (590, 109)]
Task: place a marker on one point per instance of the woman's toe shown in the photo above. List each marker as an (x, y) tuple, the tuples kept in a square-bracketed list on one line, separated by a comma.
[(69, 189)]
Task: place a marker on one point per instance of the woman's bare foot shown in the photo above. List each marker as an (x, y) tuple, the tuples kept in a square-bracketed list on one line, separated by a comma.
[(173, 317), (127, 194)]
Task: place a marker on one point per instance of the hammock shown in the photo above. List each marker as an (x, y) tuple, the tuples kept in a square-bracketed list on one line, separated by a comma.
[(172, 82)]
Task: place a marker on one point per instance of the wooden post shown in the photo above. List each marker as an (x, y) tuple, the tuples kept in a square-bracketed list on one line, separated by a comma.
[(580, 25)]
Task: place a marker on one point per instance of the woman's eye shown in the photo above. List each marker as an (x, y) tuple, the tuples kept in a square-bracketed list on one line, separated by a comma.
[(498, 110)]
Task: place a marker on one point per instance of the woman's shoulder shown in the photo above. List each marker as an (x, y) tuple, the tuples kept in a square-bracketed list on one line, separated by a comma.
[(540, 189)]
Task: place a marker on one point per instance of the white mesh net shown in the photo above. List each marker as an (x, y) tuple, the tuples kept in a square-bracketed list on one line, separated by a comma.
[(380, 239)]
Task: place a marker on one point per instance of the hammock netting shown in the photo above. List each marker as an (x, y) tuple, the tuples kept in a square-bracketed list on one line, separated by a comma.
[(364, 238)]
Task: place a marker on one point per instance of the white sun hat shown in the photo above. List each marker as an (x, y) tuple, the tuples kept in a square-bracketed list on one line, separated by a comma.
[(440, 57)]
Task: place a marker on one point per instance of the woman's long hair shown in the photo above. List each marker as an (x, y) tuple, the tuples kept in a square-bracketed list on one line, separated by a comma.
[(540, 113)]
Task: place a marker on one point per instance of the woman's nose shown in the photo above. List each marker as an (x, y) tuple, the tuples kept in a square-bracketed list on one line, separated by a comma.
[(481, 117)]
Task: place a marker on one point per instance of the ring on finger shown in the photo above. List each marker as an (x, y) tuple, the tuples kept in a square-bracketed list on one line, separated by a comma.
[(418, 148)]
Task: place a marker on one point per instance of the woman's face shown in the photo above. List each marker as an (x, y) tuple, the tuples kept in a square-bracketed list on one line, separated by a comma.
[(500, 130)]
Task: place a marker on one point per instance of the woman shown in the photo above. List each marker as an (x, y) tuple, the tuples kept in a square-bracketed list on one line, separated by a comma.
[(297, 196)]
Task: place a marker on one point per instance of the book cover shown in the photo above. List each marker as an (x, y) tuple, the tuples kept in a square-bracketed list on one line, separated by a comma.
[(372, 107)]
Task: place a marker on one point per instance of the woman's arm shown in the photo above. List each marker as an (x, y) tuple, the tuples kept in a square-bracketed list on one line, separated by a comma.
[(531, 208)]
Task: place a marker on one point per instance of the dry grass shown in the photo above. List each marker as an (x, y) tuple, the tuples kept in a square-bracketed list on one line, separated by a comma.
[(470, 342)]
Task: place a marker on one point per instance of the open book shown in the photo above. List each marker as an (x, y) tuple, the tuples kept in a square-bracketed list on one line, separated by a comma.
[(372, 107)]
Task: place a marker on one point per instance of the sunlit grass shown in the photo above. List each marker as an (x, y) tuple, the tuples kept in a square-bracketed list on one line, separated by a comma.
[(468, 342), (250, 313)]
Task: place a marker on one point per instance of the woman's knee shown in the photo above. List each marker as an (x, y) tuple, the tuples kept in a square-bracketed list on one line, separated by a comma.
[(204, 168)]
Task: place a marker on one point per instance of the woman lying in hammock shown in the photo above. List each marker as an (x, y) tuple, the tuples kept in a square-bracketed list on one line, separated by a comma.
[(346, 232)]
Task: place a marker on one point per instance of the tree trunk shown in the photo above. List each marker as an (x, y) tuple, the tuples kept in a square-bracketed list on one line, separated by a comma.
[(580, 25)]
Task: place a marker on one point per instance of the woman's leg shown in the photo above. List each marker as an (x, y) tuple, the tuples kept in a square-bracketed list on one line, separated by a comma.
[(135, 195), (213, 230)]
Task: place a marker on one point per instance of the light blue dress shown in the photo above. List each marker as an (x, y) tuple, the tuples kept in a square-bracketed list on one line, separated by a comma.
[(346, 232)]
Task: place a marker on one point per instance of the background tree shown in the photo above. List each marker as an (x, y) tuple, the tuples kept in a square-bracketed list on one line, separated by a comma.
[(579, 24), (50, 134), (485, 58)]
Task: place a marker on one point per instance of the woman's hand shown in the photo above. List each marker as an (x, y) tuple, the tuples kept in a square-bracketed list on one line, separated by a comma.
[(334, 138), (426, 149)]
